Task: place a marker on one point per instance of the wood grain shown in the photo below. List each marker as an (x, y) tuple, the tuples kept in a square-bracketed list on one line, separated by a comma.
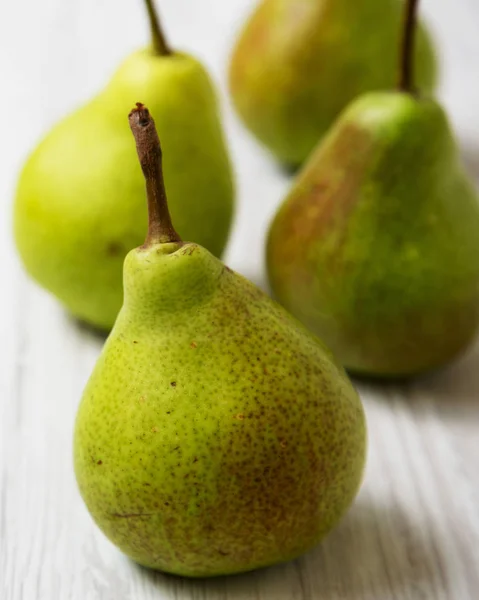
[(413, 533)]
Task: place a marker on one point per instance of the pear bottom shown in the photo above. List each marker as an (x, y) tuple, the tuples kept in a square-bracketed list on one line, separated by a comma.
[(212, 564)]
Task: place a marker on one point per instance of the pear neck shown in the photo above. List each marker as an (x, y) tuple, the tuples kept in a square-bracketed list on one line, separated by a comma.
[(170, 279)]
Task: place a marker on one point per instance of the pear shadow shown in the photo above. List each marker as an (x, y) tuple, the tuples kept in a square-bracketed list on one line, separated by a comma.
[(401, 383), (469, 154), (378, 551), (381, 388), (454, 389), (88, 331), (288, 169), (380, 383)]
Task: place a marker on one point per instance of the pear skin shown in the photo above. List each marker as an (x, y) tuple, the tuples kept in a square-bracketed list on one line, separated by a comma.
[(216, 434)]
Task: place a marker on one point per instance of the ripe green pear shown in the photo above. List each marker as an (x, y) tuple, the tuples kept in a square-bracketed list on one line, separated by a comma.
[(298, 63), (79, 207), (376, 247), (216, 434)]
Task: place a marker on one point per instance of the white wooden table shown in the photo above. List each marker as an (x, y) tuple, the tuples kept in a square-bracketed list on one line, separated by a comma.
[(413, 533)]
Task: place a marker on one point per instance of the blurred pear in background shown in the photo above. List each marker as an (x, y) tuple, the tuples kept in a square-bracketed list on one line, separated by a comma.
[(80, 205), (298, 63)]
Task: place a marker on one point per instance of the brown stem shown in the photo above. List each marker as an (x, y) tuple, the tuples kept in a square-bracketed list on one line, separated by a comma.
[(160, 228), (406, 70), (160, 44)]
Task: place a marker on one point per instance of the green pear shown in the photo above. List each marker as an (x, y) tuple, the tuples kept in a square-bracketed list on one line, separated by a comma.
[(298, 63), (79, 207), (376, 247), (216, 434)]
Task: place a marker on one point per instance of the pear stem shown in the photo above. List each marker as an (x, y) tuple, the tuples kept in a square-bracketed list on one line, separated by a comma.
[(160, 227), (160, 44), (406, 70)]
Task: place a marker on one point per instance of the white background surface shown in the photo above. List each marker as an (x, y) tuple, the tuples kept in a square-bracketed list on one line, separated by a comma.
[(413, 532)]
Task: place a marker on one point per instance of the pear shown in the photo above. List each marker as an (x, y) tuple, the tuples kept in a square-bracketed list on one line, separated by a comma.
[(376, 247), (298, 64), (216, 434), (79, 206)]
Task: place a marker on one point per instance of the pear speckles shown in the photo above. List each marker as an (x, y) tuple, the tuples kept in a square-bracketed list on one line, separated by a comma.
[(224, 410), (250, 438)]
